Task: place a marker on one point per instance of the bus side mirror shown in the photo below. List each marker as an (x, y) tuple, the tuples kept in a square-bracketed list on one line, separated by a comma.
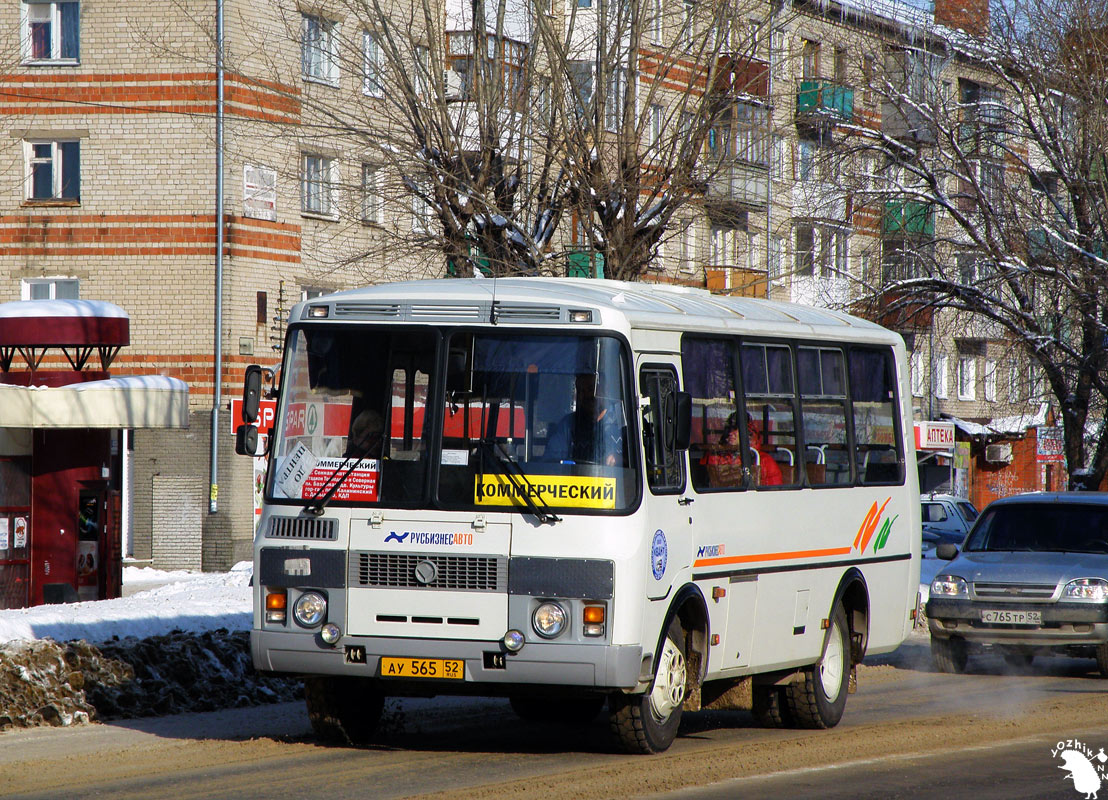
[(246, 440), (246, 435), (683, 434), (251, 394)]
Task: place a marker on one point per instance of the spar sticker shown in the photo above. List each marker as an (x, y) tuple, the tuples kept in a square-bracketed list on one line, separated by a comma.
[(567, 491), (659, 554)]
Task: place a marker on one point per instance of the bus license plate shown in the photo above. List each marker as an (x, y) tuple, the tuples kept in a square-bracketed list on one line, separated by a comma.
[(1011, 617), (440, 668)]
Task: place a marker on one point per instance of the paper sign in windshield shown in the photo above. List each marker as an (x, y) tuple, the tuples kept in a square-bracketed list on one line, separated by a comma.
[(359, 486), (563, 491)]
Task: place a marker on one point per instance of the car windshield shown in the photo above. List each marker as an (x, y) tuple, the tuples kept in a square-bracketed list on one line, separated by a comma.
[(968, 511), (1042, 527)]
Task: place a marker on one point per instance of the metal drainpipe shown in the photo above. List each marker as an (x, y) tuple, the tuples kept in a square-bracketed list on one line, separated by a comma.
[(771, 149), (217, 395)]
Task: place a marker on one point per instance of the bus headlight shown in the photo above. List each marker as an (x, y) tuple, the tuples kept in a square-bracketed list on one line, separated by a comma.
[(310, 609), (549, 620)]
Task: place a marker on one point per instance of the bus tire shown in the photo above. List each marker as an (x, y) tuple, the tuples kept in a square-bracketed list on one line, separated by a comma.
[(770, 707), (949, 655), (818, 696), (647, 723), (573, 711), (343, 710)]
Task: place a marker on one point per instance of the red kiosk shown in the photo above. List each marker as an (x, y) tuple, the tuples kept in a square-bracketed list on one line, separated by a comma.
[(61, 451)]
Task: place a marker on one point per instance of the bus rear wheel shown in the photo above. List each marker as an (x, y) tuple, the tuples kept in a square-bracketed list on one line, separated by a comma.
[(647, 723), (343, 710), (770, 707), (817, 698)]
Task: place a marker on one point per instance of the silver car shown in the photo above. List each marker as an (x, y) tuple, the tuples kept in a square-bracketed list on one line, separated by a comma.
[(1032, 579)]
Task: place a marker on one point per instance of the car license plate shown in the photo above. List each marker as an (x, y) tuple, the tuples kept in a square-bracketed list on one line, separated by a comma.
[(1011, 617), (441, 668)]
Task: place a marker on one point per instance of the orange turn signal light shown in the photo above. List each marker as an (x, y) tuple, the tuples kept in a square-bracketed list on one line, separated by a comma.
[(276, 600), (594, 615)]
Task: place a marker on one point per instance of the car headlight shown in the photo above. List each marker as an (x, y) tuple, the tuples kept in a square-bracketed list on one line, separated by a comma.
[(549, 620), (949, 586), (1092, 589), (310, 609)]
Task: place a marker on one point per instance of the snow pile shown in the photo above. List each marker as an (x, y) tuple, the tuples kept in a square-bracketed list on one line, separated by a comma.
[(184, 601), (178, 642)]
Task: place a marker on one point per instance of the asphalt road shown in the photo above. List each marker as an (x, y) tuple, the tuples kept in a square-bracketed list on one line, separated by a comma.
[(908, 732)]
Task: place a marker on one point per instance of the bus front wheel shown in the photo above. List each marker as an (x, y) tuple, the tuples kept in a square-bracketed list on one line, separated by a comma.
[(647, 723), (817, 698), (343, 710)]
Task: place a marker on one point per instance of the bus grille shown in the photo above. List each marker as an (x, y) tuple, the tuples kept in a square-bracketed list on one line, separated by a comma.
[(320, 530), (451, 573)]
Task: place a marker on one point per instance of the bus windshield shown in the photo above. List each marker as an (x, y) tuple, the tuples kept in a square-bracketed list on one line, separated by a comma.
[(455, 419)]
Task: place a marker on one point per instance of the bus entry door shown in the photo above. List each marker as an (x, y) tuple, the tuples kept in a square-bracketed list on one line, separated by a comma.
[(669, 499)]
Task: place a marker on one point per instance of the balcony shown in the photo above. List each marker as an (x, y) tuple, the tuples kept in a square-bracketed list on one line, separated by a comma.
[(740, 183), (907, 124), (584, 262), (821, 102), (741, 76), (908, 218)]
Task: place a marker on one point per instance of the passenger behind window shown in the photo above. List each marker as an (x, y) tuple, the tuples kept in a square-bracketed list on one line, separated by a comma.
[(725, 462), (768, 469)]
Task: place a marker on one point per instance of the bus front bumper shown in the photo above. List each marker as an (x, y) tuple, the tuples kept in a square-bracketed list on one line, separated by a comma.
[(538, 664)]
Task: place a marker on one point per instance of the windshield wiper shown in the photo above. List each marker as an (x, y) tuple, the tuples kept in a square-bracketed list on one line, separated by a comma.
[(519, 480), (316, 504)]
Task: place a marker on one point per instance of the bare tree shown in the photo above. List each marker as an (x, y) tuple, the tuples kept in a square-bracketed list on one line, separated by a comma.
[(988, 177)]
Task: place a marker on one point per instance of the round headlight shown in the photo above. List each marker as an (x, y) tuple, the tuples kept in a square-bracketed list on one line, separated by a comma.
[(310, 609), (549, 620)]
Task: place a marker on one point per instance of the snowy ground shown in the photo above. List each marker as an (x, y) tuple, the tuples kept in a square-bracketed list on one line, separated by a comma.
[(155, 603)]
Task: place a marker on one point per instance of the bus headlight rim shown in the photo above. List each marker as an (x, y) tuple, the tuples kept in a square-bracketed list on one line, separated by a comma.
[(310, 609), (549, 620)]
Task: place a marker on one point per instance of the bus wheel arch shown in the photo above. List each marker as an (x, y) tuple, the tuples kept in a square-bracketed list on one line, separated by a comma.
[(647, 722), (853, 596)]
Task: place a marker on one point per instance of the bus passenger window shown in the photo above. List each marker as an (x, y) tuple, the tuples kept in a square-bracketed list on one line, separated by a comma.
[(770, 422), (715, 450), (822, 374), (878, 456)]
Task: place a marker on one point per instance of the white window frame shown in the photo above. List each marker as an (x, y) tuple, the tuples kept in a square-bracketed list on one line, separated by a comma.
[(372, 84), (56, 162), (940, 377), (26, 288), (54, 12), (373, 198), (990, 380), (1014, 382), (1036, 383), (317, 185), (617, 96), (778, 257), (319, 57), (688, 248), (967, 378), (655, 21), (918, 373)]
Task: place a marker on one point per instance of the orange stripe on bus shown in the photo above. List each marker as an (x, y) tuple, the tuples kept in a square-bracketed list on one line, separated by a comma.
[(717, 562)]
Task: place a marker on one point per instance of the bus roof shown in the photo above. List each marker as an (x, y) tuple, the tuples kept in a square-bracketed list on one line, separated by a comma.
[(539, 300)]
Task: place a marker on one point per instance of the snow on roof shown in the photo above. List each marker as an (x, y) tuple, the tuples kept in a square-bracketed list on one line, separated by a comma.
[(1003, 425), (22, 309)]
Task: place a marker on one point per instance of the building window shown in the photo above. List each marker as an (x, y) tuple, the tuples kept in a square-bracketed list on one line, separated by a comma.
[(777, 257), (53, 170), (656, 21), (373, 197), (917, 370), (50, 289), (967, 378), (372, 77), (687, 23), (1036, 384), (51, 32), (751, 142), (617, 96), (990, 380), (422, 210), (939, 376), (581, 80), (809, 59), (656, 114), (317, 185), (318, 56), (688, 248), (1015, 383)]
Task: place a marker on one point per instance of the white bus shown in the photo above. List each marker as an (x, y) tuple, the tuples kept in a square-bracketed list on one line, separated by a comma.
[(579, 492)]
